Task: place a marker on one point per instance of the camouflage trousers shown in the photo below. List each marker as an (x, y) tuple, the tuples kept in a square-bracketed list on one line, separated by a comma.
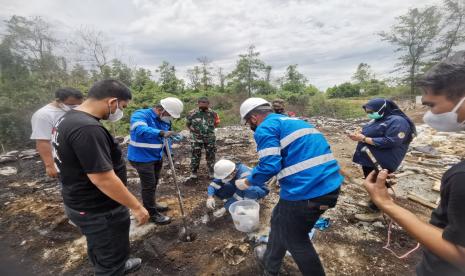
[(210, 154)]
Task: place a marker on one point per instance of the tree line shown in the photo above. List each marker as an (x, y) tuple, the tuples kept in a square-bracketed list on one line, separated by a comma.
[(34, 63)]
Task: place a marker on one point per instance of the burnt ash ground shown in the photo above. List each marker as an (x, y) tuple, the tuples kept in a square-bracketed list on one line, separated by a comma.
[(36, 236)]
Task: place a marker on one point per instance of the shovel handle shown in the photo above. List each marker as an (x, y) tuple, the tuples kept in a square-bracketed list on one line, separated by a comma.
[(170, 161)]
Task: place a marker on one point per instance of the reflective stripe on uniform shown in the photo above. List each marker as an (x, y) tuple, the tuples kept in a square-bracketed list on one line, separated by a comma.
[(296, 135), (136, 124), (269, 151), (307, 164), (215, 185), (145, 145), (237, 197), (288, 118), (286, 141)]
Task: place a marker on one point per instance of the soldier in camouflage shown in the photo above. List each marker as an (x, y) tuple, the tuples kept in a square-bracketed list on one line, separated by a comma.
[(202, 122)]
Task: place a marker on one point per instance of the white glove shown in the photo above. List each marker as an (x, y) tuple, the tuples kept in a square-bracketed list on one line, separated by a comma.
[(241, 184), (211, 203), (219, 213)]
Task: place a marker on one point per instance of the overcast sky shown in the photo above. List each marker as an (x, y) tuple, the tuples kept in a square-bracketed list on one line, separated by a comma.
[(326, 38)]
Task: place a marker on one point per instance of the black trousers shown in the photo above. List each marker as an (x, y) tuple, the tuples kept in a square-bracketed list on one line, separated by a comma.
[(149, 174), (107, 236), (291, 221)]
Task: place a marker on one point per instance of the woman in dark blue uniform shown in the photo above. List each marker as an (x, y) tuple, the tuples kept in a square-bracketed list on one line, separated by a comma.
[(387, 136)]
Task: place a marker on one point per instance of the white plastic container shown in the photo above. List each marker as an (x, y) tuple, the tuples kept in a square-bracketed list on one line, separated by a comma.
[(245, 214)]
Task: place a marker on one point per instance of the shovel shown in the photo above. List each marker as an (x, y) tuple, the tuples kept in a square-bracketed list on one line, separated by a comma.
[(184, 233)]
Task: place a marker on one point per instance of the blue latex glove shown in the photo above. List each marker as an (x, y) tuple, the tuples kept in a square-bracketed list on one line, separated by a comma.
[(322, 223)]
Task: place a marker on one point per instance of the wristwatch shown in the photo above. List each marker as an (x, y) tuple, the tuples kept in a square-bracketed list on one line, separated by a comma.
[(364, 140)]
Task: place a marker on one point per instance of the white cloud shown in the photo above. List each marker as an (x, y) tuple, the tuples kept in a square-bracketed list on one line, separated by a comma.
[(328, 39)]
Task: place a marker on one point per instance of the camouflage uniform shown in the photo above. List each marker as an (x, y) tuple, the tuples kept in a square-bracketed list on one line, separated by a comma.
[(202, 125)]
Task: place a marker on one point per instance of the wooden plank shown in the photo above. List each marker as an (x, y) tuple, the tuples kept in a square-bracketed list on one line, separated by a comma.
[(437, 186), (418, 199)]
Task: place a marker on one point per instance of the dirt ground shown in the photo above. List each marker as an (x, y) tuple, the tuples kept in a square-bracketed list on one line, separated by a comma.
[(36, 238)]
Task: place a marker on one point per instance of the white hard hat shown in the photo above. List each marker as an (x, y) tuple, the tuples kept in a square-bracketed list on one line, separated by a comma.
[(173, 106), (223, 168), (249, 105)]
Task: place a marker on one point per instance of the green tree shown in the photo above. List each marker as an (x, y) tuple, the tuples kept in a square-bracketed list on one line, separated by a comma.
[(453, 27), (141, 78), (194, 75), (247, 71), (363, 73), (293, 81), (413, 35), (206, 75), (344, 90), (79, 77), (29, 73), (121, 72), (221, 79), (311, 90), (169, 83)]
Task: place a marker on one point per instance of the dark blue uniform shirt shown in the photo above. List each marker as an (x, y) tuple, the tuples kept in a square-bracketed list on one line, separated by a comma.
[(391, 136)]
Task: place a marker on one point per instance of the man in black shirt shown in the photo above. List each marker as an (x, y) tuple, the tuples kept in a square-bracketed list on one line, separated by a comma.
[(93, 173), (444, 237)]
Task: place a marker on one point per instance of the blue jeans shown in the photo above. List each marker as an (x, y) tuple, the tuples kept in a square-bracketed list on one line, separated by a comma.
[(107, 236), (291, 221)]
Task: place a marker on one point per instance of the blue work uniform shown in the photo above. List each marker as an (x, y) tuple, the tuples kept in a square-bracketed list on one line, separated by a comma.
[(229, 192), (392, 136), (298, 154), (146, 145)]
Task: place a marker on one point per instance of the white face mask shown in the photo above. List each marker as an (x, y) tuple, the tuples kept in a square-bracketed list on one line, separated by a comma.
[(227, 180), (67, 107), (166, 119), (113, 117), (446, 121), (71, 106)]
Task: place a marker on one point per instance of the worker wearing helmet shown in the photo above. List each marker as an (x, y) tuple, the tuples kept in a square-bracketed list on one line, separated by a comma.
[(309, 178), (222, 186), (148, 128)]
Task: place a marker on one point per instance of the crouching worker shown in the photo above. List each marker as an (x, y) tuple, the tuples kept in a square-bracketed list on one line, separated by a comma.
[(222, 186)]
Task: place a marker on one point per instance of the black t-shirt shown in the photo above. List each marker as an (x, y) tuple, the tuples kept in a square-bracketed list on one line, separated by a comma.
[(81, 146), (450, 216)]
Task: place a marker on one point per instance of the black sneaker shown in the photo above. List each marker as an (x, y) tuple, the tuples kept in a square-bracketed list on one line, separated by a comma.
[(132, 265), (161, 207), (160, 219)]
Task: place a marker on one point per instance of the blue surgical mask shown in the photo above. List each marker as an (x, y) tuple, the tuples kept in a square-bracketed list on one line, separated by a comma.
[(374, 116)]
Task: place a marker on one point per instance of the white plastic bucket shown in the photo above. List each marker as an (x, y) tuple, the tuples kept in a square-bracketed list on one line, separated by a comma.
[(245, 214)]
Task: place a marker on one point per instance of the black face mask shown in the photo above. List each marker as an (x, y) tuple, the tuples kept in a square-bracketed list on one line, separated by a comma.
[(203, 108)]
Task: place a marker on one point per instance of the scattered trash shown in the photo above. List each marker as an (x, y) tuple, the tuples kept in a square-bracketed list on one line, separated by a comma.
[(311, 234), (234, 254), (7, 171), (205, 219), (322, 224)]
